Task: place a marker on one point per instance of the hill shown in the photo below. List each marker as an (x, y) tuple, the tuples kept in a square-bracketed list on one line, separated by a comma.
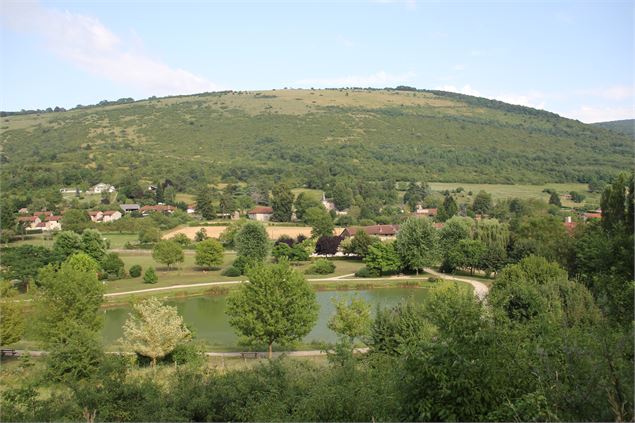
[(626, 126), (306, 137)]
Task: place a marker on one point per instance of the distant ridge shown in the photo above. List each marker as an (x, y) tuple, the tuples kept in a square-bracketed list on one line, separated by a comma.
[(625, 126)]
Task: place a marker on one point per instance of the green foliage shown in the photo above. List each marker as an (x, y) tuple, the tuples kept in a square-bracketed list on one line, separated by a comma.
[(321, 267), (482, 203), (228, 236), (342, 196), (12, 322), (554, 199), (204, 204), (200, 235), (617, 203), (320, 221), (281, 203), (277, 305), (168, 252), (93, 244), (448, 209), (84, 263), (154, 330), (365, 272), (135, 271), (382, 258), (113, 266), (209, 253), (351, 318), (231, 271), (394, 328), (303, 202), (361, 242), (281, 250), (150, 276), (149, 235), (418, 244), (468, 253), (75, 220), (252, 242), (24, 262), (181, 239), (66, 244)]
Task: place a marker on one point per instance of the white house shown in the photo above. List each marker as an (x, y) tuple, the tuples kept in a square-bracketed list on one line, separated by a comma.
[(101, 187), (69, 190), (96, 216), (261, 213), (111, 216)]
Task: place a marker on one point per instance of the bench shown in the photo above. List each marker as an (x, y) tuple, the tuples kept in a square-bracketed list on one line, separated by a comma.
[(248, 354), (8, 352)]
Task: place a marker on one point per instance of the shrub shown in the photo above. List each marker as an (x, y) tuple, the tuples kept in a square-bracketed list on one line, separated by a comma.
[(365, 272), (113, 266), (181, 239), (242, 263), (135, 271), (434, 279), (321, 267), (298, 254), (150, 276), (231, 271)]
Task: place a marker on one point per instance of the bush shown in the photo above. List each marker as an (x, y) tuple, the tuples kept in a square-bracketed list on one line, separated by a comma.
[(150, 276), (186, 353), (242, 263), (298, 254), (321, 267), (231, 271), (365, 272), (113, 266), (181, 239), (135, 271)]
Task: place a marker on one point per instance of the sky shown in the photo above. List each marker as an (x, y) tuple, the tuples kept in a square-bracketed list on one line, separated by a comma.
[(574, 58)]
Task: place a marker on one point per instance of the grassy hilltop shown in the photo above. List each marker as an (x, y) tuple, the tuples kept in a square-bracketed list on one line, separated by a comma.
[(305, 136)]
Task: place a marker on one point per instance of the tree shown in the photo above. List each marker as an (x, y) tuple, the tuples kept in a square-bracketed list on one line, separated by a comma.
[(320, 221), (168, 252), (281, 250), (68, 320), (93, 244), (228, 236), (113, 265), (12, 321), (327, 245), (577, 197), (75, 220), (617, 203), (482, 203), (83, 262), (169, 194), (342, 196), (209, 253), (66, 244), (282, 203), (150, 275), (351, 318), (154, 330), (383, 258), (24, 262), (415, 194), (158, 193), (204, 204), (449, 208), (135, 271), (149, 235), (277, 305), (200, 235), (252, 242), (418, 243), (468, 254), (303, 202), (361, 242), (227, 205), (554, 199)]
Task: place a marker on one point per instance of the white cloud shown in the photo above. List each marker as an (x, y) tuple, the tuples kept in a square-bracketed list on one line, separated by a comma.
[(533, 99), (589, 114), (466, 89), (380, 79), (87, 43), (458, 67)]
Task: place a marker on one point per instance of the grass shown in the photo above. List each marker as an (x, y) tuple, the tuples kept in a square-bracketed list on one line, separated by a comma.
[(117, 240), (523, 191), (316, 194)]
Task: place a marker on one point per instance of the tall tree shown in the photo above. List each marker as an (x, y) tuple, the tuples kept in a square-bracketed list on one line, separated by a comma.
[(66, 244), (342, 196), (282, 203), (383, 258), (277, 305), (252, 242), (482, 203), (303, 202), (12, 322), (554, 199), (75, 220), (617, 203), (320, 221), (449, 208), (93, 243), (154, 330), (168, 252), (418, 243), (351, 319), (209, 253), (204, 204)]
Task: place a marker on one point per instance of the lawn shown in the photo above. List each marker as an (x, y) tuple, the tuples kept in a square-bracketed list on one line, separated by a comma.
[(116, 239), (188, 273)]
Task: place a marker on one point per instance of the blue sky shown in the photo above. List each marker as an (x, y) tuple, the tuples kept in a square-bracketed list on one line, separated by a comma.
[(574, 58)]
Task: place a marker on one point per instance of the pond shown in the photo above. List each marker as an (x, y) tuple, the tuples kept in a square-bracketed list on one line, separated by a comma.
[(205, 316)]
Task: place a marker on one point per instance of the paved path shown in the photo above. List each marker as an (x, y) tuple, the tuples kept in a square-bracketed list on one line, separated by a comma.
[(480, 289)]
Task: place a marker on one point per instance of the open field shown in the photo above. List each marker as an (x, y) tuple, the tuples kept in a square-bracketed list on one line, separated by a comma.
[(274, 231), (316, 194), (501, 191), (116, 239)]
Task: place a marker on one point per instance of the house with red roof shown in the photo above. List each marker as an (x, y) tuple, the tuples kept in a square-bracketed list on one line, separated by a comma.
[(382, 231), (261, 213)]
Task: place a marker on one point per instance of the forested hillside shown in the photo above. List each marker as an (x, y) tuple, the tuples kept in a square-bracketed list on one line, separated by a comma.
[(626, 126), (305, 137)]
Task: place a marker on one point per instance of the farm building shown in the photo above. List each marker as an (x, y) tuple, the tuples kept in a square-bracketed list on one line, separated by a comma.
[(101, 187), (382, 231), (127, 208), (427, 212), (160, 208), (262, 213)]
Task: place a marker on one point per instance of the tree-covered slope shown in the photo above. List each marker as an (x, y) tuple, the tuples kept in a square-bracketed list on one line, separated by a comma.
[(626, 126), (305, 137)]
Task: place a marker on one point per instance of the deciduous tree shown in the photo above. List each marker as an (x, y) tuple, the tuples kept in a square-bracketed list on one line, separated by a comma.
[(168, 252), (418, 244), (209, 253)]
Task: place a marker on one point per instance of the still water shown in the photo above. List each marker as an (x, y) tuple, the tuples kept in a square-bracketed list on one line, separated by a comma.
[(205, 316)]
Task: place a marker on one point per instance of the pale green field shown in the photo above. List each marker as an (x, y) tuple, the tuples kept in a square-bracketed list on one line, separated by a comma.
[(501, 191), (117, 240), (313, 193), (188, 273)]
